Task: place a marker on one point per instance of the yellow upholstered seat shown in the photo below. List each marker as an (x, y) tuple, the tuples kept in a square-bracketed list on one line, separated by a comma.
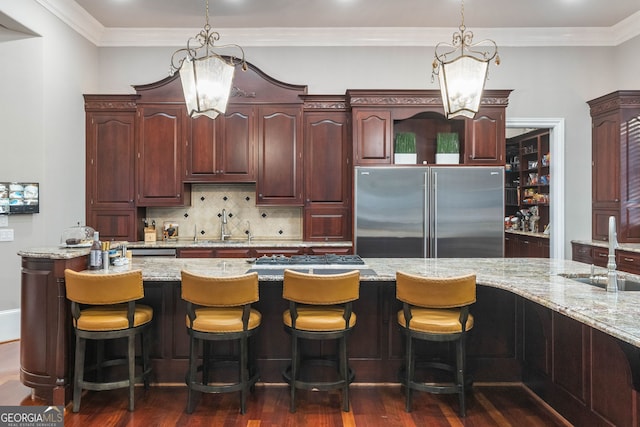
[(103, 307), (219, 309), (435, 309), (320, 308), (109, 318)]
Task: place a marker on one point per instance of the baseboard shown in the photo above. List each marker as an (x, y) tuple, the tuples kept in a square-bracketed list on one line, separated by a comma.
[(9, 325)]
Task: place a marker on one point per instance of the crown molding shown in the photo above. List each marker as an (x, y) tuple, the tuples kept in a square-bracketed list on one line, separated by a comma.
[(82, 22)]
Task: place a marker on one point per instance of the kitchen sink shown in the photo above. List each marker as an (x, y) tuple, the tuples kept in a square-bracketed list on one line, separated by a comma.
[(601, 282)]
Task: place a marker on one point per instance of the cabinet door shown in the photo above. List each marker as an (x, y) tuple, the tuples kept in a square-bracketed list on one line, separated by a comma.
[(581, 253), (110, 160), (327, 223), (327, 163), (161, 141), (222, 150), (279, 180), (236, 147), (605, 171), (511, 244), (201, 154), (372, 136), (485, 138), (116, 224)]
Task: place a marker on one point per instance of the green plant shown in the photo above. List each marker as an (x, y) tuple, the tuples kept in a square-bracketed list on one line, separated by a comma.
[(405, 142), (447, 143)]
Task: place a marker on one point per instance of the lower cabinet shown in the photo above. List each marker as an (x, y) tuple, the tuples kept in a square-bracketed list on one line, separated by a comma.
[(626, 261), (525, 246), (589, 377)]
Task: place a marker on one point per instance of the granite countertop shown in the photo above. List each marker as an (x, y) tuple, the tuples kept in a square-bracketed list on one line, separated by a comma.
[(53, 252), (527, 233), (543, 281)]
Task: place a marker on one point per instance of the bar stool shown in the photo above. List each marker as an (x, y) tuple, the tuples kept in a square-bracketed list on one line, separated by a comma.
[(103, 308), (435, 309), (219, 309), (320, 308)]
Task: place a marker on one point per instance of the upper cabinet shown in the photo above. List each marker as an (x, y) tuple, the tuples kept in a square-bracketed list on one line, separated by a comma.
[(279, 155), (160, 142), (372, 136), (485, 137), (615, 169), (379, 115), (110, 166), (222, 150)]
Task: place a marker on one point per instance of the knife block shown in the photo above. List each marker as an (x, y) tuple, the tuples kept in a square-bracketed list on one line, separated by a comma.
[(149, 234)]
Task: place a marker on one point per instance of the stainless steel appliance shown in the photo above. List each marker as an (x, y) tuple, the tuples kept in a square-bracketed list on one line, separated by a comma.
[(429, 212)]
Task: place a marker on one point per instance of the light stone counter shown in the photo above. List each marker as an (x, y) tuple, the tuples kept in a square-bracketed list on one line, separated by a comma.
[(535, 279)]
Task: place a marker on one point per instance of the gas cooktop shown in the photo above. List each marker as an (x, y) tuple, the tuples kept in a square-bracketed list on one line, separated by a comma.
[(327, 259)]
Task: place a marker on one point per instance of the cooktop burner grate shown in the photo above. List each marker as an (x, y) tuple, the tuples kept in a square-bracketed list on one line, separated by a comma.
[(310, 259)]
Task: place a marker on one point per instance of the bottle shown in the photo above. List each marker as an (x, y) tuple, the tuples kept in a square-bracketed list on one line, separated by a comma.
[(95, 254)]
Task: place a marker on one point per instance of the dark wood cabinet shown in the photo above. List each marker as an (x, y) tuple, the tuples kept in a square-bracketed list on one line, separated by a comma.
[(615, 170), (195, 253), (584, 374), (485, 137), (110, 166), (160, 145), (372, 131), (222, 150), (525, 246), (628, 261), (327, 169), (378, 115), (46, 336), (279, 180)]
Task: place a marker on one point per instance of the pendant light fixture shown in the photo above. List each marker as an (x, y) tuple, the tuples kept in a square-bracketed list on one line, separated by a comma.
[(461, 67), (206, 76)]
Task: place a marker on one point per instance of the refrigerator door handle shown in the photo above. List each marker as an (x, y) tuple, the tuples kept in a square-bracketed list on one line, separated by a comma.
[(434, 237), (425, 214)]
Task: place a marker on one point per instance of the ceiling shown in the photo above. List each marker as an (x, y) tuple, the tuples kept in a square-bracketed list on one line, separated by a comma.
[(352, 22)]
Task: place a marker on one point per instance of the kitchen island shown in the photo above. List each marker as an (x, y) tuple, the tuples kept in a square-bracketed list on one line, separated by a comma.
[(575, 345)]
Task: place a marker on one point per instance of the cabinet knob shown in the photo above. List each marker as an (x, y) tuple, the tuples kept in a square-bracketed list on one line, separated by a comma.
[(628, 259)]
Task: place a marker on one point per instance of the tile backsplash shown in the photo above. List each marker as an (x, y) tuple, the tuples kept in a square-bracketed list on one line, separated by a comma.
[(204, 215)]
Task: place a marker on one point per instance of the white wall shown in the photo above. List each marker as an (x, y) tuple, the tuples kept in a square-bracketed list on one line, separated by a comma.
[(42, 119), (42, 80)]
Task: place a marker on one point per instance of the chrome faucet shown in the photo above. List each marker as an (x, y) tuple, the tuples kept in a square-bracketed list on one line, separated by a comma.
[(223, 228), (249, 235), (612, 273)]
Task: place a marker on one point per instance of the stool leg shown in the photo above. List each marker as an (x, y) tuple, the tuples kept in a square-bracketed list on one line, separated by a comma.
[(295, 364), (78, 375), (191, 375), (460, 380), (410, 367), (99, 360), (244, 373), (131, 358), (344, 373), (146, 365)]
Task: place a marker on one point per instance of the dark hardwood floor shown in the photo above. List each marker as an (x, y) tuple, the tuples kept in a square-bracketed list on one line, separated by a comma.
[(268, 406)]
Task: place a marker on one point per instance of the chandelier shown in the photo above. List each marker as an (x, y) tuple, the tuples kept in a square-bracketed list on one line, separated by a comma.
[(462, 78), (206, 76)]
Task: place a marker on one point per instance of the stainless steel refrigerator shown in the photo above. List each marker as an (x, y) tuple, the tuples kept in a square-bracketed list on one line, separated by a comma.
[(429, 212)]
